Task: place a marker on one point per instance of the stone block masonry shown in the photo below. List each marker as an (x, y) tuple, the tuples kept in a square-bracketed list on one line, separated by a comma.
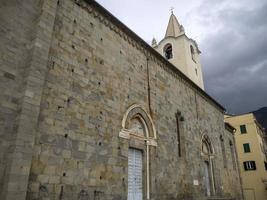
[(70, 86), (27, 29)]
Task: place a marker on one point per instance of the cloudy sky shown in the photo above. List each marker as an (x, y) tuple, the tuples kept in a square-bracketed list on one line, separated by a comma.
[(232, 35)]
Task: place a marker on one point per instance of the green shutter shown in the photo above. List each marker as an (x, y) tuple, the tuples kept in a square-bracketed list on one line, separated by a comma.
[(243, 129), (246, 147)]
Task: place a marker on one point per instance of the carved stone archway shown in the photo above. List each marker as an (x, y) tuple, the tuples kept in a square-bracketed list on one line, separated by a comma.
[(138, 124)]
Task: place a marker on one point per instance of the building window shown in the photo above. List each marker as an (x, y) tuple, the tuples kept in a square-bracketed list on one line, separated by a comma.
[(192, 53), (243, 129), (265, 164), (168, 51), (246, 147), (249, 165)]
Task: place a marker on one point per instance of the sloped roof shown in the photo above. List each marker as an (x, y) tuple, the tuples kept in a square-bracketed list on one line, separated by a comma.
[(173, 29)]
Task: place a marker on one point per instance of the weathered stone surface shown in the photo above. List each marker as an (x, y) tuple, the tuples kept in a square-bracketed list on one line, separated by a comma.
[(26, 29)]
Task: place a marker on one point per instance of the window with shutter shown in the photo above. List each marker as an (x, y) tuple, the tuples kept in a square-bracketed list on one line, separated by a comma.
[(243, 129), (246, 147), (249, 165)]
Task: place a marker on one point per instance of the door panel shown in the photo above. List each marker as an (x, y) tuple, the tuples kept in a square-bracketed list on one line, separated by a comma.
[(135, 166)]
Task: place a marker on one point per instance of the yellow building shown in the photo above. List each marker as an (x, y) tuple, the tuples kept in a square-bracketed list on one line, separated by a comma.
[(251, 150)]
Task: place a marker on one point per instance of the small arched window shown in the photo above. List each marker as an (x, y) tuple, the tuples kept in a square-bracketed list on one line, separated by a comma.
[(192, 53), (168, 51)]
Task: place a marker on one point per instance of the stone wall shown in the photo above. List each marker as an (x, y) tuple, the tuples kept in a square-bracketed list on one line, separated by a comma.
[(95, 73), (25, 28), (17, 28)]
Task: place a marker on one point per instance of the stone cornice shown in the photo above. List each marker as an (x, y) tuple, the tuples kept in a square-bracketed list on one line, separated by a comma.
[(132, 38)]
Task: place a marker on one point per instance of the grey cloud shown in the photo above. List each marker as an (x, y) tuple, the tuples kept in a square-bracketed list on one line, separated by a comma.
[(235, 59), (249, 19)]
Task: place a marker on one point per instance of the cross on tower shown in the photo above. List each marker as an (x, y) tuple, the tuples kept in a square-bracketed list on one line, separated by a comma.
[(172, 8)]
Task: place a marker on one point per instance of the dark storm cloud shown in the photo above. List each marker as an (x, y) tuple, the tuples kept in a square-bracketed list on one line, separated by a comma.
[(235, 58)]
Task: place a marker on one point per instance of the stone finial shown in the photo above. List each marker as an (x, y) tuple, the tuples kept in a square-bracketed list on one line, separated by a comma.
[(182, 28), (172, 8), (154, 42)]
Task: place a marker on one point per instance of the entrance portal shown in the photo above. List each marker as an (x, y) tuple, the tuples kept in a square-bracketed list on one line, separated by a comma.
[(135, 182)]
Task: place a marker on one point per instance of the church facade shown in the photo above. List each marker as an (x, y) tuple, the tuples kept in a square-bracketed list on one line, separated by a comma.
[(91, 111)]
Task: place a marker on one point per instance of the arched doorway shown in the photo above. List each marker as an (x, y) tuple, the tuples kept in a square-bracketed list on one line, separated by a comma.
[(207, 153), (139, 130)]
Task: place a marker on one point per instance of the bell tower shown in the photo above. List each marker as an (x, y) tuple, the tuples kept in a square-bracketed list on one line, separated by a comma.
[(181, 51)]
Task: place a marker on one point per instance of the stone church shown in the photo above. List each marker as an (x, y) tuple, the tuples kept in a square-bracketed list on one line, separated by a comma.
[(90, 111)]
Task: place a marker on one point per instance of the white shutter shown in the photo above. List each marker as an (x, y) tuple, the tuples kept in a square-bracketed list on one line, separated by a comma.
[(135, 166)]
